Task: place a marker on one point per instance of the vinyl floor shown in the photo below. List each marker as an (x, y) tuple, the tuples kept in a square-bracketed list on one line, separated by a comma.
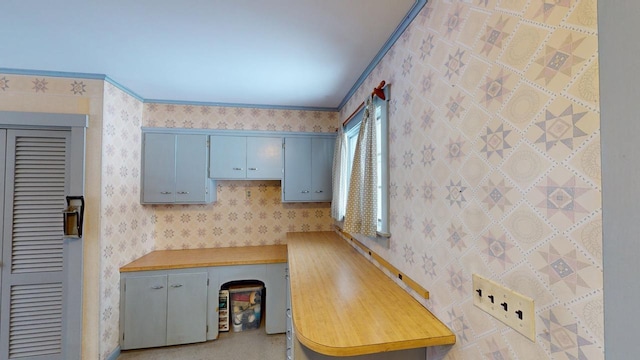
[(246, 345)]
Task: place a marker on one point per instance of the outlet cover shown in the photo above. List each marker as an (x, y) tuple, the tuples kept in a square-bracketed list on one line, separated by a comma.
[(513, 309)]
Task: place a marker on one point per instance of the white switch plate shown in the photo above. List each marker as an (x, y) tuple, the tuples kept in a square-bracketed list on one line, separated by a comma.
[(493, 298)]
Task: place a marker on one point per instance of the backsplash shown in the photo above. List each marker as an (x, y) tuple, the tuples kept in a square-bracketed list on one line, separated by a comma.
[(495, 169), (247, 213)]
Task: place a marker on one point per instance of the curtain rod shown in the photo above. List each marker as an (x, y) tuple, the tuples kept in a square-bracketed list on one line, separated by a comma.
[(377, 91)]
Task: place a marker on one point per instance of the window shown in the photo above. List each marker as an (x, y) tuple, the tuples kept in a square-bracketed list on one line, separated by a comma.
[(382, 145)]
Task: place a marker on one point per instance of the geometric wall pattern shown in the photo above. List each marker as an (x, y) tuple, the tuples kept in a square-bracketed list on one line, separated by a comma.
[(495, 169)]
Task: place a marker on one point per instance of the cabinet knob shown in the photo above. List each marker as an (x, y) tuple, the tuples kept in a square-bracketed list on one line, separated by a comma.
[(183, 192), (253, 169), (305, 191), (157, 287), (237, 168), (165, 192)]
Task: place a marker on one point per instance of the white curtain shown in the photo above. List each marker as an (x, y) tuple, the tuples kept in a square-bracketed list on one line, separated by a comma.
[(361, 212), (339, 177)]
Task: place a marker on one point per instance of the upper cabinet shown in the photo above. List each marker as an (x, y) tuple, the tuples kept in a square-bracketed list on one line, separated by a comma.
[(307, 169), (245, 157), (174, 169)]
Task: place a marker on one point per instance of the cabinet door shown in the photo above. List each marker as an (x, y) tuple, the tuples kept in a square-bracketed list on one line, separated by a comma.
[(191, 168), (297, 169), (145, 318), (159, 168), (321, 168), (228, 157), (186, 308), (264, 158)]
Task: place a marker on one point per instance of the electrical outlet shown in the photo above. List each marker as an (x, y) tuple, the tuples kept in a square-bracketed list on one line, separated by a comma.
[(513, 309)]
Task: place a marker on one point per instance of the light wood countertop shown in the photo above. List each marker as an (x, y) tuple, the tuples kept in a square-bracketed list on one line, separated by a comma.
[(192, 258), (343, 305)]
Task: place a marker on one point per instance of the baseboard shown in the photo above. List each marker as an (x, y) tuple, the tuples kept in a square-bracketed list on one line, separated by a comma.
[(114, 355)]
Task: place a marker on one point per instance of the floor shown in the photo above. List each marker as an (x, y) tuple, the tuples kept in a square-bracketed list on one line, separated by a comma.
[(246, 345)]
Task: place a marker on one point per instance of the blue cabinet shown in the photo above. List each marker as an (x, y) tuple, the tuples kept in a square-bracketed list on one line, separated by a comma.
[(174, 169), (308, 162), (245, 157), (163, 308)]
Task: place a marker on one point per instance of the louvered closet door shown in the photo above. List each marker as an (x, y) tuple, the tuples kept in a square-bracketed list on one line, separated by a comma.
[(33, 272)]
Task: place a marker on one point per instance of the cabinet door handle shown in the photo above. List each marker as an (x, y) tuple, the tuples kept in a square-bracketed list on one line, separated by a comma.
[(253, 168), (305, 191), (165, 192), (157, 287), (183, 192), (237, 168), (176, 285), (288, 312), (318, 191)]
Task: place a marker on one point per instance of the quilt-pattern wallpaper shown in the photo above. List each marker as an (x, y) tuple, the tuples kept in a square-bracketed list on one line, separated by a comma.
[(495, 169)]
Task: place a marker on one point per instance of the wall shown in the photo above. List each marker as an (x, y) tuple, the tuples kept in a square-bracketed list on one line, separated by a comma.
[(495, 169), (236, 219), (127, 226), (72, 96)]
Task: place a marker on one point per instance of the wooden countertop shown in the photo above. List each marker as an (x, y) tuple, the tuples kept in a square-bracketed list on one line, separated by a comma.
[(182, 259), (343, 305)]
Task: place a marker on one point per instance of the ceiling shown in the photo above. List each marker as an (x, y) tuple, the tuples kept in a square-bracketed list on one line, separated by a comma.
[(289, 53)]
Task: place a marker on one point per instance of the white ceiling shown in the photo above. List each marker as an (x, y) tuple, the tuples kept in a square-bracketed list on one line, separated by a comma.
[(292, 53)]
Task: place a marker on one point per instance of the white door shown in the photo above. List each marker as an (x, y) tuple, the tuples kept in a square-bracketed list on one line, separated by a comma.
[(41, 272)]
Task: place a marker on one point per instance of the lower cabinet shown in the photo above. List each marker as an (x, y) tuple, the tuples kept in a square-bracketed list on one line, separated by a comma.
[(163, 308), (170, 307)]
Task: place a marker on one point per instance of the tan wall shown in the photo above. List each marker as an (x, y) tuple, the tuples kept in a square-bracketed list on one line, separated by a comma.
[(495, 169)]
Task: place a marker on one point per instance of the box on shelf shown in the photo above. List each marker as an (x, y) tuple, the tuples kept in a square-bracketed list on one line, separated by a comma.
[(245, 301), (223, 310)]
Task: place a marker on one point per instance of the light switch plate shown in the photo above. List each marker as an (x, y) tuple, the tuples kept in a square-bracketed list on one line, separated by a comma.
[(513, 309)]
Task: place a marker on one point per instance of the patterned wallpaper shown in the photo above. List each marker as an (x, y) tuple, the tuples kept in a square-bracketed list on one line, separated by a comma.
[(495, 169), (247, 213), (127, 226)]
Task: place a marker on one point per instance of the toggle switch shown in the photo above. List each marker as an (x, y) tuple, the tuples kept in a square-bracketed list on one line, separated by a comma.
[(516, 310)]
